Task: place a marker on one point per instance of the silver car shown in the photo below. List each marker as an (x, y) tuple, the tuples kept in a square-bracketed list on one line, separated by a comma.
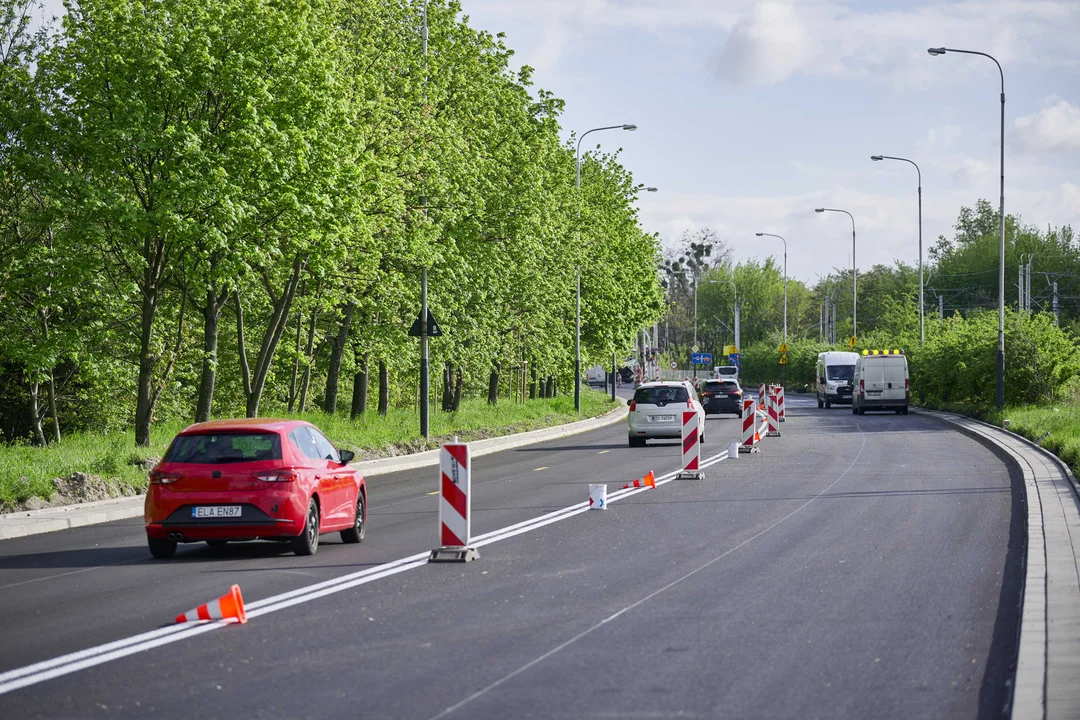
[(656, 411)]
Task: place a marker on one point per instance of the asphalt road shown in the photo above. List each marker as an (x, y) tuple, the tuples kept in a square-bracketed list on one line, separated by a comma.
[(857, 567)]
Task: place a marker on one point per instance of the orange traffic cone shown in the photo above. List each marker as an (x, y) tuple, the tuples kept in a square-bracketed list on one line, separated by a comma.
[(650, 480), (228, 606)]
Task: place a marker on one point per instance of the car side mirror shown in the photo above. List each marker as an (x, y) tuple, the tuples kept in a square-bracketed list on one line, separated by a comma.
[(346, 456)]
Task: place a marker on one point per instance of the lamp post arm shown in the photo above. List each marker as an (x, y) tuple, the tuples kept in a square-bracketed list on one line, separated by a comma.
[(578, 177)]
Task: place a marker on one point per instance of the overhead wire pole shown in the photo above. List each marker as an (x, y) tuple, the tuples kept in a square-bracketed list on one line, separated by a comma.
[(577, 312), (922, 334), (424, 379), (783, 372), (1001, 227), (854, 273)]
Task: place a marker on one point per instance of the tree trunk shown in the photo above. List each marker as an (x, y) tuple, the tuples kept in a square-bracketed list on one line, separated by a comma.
[(35, 415), (144, 403), (50, 393), (493, 385), (532, 380), (448, 387), (359, 390), (282, 305), (459, 384), (296, 360), (211, 313), (310, 355), (384, 389), (337, 351)]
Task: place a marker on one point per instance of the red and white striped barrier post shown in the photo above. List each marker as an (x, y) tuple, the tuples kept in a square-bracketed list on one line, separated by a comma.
[(455, 516), (691, 447), (781, 401), (749, 427), (773, 412), (761, 395)]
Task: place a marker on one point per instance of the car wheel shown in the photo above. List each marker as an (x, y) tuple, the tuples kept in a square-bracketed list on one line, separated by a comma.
[(355, 534), (161, 548), (307, 542), (216, 543)]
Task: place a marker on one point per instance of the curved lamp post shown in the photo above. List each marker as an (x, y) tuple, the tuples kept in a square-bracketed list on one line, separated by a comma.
[(785, 277), (854, 272), (577, 312), (1001, 224), (922, 335)]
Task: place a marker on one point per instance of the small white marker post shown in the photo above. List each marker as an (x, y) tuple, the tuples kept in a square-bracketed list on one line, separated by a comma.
[(598, 497), (455, 521)]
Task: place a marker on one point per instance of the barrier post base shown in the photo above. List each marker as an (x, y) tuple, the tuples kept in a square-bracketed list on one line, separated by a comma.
[(775, 433), (453, 555), (748, 449), (690, 475)]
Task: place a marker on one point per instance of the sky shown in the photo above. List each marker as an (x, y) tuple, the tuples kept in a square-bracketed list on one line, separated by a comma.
[(751, 113)]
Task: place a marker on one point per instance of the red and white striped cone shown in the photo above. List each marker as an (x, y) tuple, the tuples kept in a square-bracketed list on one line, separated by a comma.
[(229, 606), (781, 404), (691, 446), (749, 426), (772, 411)]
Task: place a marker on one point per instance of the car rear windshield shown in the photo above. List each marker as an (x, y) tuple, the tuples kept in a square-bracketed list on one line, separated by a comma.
[(661, 395), (222, 448), (840, 372), (725, 386)]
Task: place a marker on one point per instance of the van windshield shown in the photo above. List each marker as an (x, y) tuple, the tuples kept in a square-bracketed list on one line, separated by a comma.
[(840, 372)]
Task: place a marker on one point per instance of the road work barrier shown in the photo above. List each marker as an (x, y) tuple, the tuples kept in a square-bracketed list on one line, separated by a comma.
[(691, 447), (598, 497), (781, 397), (750, 437), (648, 481), (772, 410), (229, 606), (455, 511), (762, 392)]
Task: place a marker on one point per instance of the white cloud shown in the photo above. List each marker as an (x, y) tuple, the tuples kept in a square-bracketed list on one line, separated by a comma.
[(1055, 128)]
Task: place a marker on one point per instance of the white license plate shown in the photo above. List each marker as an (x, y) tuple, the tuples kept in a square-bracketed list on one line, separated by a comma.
[(663, 418), (216, 511), (873, 392)]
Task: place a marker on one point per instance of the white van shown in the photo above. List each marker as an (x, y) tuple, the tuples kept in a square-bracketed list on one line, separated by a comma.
[(726, 372), (881, 382), (835, 371)]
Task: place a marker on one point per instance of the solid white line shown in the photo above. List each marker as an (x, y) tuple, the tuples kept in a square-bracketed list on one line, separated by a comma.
[(695, 571), (80, 660)]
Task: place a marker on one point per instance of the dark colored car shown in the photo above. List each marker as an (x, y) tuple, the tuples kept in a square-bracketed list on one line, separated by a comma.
[(721, 396), (230, 480)]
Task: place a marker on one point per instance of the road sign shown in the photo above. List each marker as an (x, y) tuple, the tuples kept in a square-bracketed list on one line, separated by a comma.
[(783, 348), (783, 359), (695, 348), (700, 358), (733, 358), (674, 365), (852, 342), (731, 350), (433, 329)]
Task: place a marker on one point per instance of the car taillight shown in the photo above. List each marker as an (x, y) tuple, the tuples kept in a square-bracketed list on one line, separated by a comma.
[(276, 476), (157, 477), (633, 405), (862, 388), (707, 394), (737, 393)]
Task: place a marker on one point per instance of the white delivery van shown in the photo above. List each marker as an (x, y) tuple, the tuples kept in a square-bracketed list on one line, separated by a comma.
[(596, 376), (881, 382), (834, 373), (726, 372)]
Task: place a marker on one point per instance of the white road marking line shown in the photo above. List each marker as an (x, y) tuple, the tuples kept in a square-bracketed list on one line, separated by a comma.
[(613, 616), (101, 654), (602, 452), (542, 467)]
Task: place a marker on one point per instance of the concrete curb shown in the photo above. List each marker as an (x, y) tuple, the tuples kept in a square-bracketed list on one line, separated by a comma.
[(1049, 650), (33, 522)]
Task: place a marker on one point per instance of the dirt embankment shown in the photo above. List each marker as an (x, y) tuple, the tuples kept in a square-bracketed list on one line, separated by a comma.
[(80, 487)]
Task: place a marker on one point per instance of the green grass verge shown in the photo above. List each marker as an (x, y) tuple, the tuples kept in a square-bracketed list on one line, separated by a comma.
[(27, 471)]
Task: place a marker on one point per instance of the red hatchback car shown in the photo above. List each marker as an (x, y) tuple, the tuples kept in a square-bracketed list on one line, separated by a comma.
[(246, 479)]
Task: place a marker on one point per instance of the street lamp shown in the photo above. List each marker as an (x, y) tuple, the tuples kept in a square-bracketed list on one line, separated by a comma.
[(785, 277), (647, 189), (854, 272), (577, 312), (922, 335), (1001, 224)]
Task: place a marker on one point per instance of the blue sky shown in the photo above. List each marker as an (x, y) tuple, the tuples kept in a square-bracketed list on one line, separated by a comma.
[(753, 113)]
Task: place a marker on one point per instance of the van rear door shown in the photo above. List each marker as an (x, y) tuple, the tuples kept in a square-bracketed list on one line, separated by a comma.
[(894, 371)]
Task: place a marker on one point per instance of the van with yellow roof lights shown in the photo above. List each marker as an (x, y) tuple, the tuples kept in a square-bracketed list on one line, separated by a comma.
[(881, 382)]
